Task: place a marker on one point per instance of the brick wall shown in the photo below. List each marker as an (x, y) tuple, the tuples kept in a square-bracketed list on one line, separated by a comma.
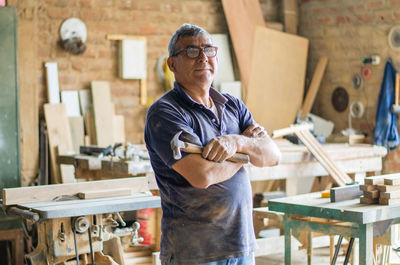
[(39, 23), (346, 31)]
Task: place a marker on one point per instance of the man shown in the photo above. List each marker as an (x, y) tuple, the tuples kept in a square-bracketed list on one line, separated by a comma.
[(206, 200)]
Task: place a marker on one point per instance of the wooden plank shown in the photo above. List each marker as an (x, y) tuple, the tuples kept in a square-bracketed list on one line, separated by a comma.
[(104, 193), (278, 61), (349, 192), (85, 101), (242, 17), (90, 128), (390, 195), (314, 86), (103, 113), (392, 180), (388, 188), (119, 128), (49, 192), (365, 200), (384, 201), (60, 141), (368, 187), (28, 95), (71, 102), (77, 132), (372, 194), (143, 91), (374, 180), (290, 10)]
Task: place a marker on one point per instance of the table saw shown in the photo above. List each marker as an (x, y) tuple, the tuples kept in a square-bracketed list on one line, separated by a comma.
[(70, 229)]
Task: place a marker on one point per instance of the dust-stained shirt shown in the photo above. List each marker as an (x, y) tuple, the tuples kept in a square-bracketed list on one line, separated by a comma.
[(199, 225)]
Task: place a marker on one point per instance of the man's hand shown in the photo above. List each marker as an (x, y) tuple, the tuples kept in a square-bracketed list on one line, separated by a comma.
[(220, 148), (255, 130)]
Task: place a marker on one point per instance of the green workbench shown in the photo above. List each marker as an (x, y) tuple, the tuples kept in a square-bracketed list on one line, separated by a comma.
[(358, 219)]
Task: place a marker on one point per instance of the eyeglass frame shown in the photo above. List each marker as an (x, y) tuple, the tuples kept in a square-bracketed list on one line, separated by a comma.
[(196, 47)]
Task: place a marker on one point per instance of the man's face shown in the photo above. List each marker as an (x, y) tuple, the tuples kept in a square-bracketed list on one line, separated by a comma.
[(193, 72)]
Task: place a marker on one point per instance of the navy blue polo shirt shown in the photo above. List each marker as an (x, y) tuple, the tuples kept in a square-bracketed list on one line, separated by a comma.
[(199, 225)]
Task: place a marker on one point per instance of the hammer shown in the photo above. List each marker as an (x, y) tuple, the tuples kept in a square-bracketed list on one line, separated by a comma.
[(178, 145)]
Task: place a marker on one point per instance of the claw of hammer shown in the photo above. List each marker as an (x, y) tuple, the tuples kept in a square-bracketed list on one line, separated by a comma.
[(177, 145)]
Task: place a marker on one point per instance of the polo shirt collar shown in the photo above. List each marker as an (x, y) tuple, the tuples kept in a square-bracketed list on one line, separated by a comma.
[(216, 96)]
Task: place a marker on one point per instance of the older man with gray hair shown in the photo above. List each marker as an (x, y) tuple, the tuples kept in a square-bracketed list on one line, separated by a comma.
[(206, 200)]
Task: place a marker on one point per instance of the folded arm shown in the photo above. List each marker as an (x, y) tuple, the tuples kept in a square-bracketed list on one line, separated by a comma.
[(211, 167)]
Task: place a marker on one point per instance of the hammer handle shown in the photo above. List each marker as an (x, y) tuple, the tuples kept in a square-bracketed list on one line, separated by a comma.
[(236, 158)]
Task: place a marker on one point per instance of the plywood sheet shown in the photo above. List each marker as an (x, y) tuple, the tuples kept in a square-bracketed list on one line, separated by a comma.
[(103, 113), (276, 86), (119, 129), (225, 68), (243, 16), (60, 140), (71, 102)]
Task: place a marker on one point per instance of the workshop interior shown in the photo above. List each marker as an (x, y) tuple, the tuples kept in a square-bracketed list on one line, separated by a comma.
[(78, 76)]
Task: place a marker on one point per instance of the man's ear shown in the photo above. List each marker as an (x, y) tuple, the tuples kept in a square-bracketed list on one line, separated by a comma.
[(171, 64)]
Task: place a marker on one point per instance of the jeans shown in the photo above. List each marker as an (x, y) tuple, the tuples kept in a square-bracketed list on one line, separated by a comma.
[(247, 260)]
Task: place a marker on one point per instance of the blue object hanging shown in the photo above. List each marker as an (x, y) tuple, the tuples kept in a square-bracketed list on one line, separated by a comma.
[(385, 132)]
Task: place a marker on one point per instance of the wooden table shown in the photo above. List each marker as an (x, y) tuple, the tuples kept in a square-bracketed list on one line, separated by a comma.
[(351, 219), (297, 162)]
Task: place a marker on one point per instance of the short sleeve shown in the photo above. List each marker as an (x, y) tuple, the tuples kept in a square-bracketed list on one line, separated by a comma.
[(163, 122)]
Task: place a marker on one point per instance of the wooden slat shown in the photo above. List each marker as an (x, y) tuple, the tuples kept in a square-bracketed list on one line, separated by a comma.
[(49, 192), (365, 200), (77, 132), (28, 95), (368, 187), (60, 141), (242, 17), (290, 10), (390, 195), (277, 76), (384, 201), (372, 194), (314, 86), (374, 180), (104, 193), (392, 180), (388, 188), (103, 113)]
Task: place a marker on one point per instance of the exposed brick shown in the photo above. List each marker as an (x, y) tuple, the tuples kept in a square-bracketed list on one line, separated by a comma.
[(151, 5), (324, 20), (58, 12), (375, 4), (394, 3), (342, 19), (364, 17), (384, 16)]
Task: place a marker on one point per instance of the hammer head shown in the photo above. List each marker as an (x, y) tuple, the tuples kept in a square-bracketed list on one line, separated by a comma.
[(176, 146)]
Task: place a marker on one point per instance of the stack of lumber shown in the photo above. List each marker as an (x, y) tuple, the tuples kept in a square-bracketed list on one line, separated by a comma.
[(383, 189), (81, 118)]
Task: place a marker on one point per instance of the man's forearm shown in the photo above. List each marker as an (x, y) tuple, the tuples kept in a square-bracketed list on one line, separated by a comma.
[(201, 173), (262, 150)]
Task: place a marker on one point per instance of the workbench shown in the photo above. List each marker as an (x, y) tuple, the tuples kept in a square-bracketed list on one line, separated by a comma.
[(297, 163), (68, 226), (348, 218)]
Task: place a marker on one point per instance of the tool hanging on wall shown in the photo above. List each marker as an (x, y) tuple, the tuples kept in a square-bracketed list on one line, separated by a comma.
[(358, 81), (340, 99), (73, 35), (164, 73), (394, 38)]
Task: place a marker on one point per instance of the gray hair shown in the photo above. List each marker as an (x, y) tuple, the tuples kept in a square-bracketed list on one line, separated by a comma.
[(185, 30)]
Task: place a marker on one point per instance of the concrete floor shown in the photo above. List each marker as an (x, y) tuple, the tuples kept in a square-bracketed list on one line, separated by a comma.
[(299, 257)]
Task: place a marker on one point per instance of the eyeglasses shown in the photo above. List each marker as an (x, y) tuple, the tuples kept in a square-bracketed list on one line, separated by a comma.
[(194, 52)]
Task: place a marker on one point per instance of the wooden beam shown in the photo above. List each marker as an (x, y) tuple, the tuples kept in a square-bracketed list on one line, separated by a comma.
[(50, 192), (314, 86), (105, 193)]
